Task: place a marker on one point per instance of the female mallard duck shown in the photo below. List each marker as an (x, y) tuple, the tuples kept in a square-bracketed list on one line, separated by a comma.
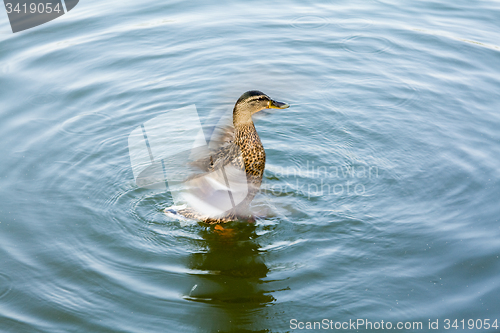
[(240, 150)]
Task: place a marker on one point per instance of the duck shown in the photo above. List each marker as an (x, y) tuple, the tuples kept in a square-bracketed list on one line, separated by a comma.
[(238, 149)]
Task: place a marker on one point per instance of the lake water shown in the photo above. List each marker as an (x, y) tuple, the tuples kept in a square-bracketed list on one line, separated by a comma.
[(381, 190)]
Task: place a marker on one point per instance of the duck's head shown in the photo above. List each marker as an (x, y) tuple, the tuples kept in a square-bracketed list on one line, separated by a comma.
[(251, 102)]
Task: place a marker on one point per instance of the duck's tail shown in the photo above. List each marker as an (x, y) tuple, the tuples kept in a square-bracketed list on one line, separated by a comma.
[(177, 212), (184, 214)]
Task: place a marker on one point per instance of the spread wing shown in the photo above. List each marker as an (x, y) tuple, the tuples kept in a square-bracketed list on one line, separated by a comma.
[(221, 149)]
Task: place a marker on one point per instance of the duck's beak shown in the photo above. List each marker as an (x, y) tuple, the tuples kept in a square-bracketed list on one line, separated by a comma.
[(277, 105)]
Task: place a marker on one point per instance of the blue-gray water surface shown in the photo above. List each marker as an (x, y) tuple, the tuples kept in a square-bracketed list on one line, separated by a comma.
[(379, 200)]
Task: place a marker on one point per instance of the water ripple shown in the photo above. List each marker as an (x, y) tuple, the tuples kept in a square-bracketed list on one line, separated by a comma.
[(5, 69), (5, 285), (139, 215), (364, 44), (309, 22), (86, 124), (154, 23), (354, 23), (373, 92), (149, 208), (41, 99)]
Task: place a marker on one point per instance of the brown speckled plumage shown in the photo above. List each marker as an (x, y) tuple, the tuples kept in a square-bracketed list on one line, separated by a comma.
[(242, 149)]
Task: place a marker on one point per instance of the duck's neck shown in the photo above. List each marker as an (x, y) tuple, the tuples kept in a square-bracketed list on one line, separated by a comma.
[(245, 134), (247, 138), (241, 117)]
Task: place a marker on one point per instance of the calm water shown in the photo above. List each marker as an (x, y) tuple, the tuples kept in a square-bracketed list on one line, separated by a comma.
[(381, 190)]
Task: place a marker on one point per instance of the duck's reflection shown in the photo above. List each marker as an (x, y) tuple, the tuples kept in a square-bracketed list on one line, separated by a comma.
[(231, 272)]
